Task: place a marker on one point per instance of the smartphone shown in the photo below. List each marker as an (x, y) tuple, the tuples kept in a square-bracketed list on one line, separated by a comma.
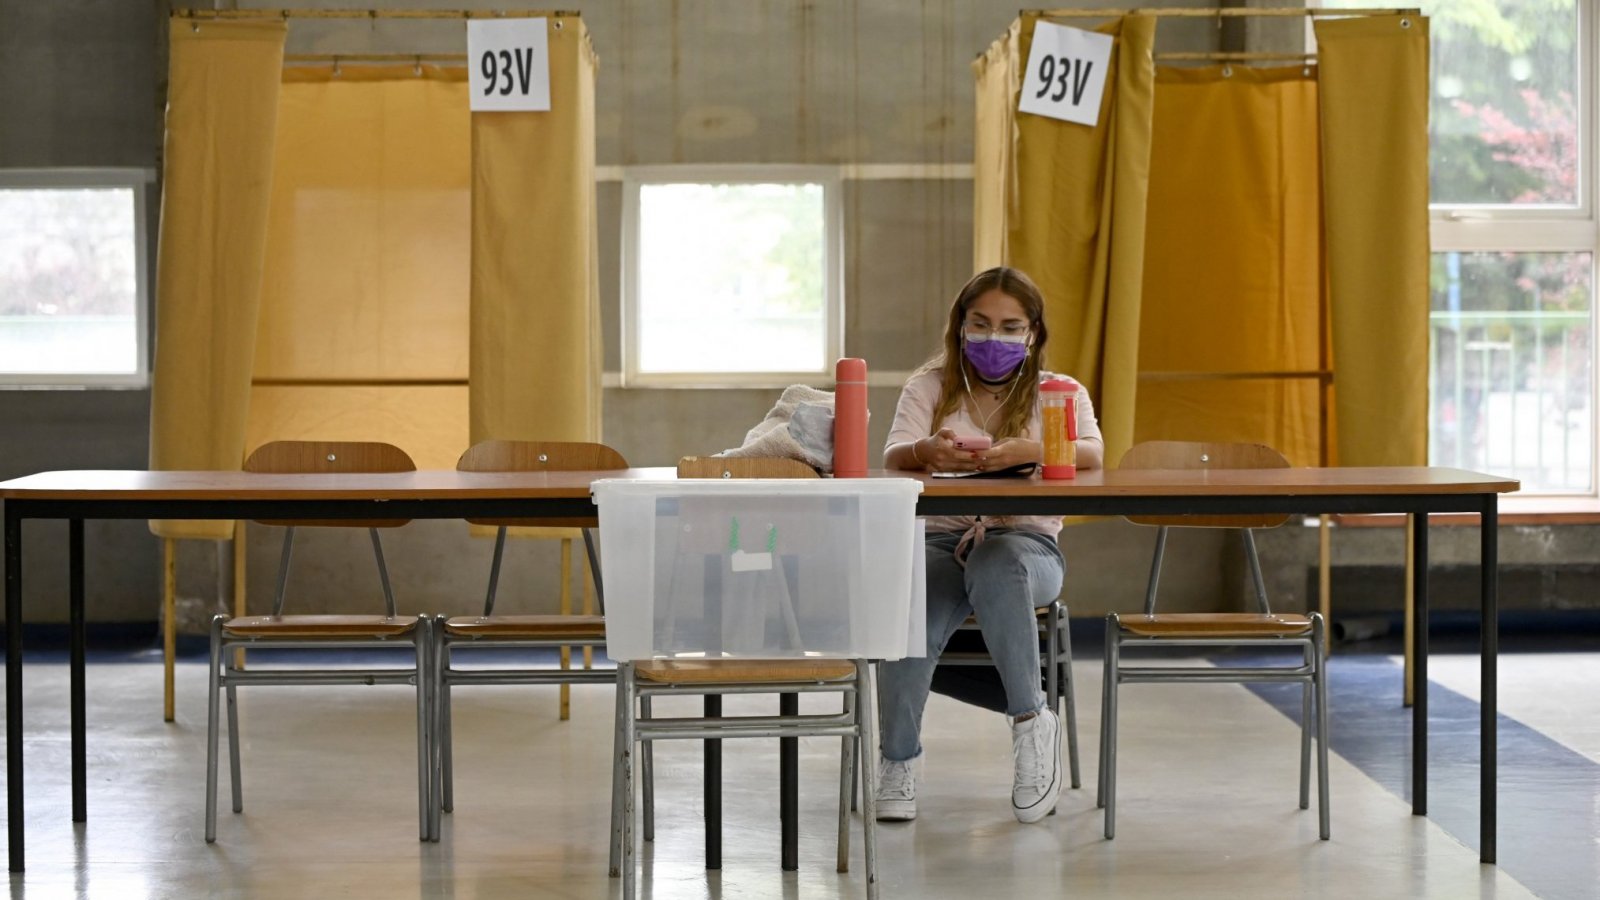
[(972, 442)]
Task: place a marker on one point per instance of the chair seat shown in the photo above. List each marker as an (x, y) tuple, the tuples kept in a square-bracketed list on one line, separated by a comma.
[(320, 626), (574, 628), (1041, 612), (1215, 625), (764, 671)]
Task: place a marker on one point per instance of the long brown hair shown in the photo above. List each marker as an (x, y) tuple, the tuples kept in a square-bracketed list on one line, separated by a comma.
[(952, 365)]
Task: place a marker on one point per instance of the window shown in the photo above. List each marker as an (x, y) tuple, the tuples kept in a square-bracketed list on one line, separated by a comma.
[(1512, 114), (72, 278), (730, 275)]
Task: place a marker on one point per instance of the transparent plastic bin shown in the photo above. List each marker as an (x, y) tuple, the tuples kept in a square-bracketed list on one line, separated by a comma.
[(761, 568)]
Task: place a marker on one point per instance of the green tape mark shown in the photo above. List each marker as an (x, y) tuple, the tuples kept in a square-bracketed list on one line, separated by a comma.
[(772, 538), (733, 535)]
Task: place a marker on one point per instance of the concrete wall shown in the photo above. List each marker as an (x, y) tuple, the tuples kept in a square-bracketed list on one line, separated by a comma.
[(715, 81)]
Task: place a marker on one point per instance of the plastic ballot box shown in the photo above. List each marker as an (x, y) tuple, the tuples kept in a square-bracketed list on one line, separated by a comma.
[(761, 568)]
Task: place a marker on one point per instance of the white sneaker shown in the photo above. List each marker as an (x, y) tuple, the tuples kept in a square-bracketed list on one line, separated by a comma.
[(1036, 753), (896, 795)]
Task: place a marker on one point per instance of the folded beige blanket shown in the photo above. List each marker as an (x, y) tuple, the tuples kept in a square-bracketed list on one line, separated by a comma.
[(799, 427)]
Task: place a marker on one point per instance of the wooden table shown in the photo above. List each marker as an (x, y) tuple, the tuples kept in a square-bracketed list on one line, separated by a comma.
[(76, 496)]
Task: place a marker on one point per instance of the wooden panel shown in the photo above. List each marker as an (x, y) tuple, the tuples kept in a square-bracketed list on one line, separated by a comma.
[(1215, 625), (743, 467), (539, 456), (1201, 455), (329, 458), (1208, 456), (566, 627), (321, 626), (742, 671)]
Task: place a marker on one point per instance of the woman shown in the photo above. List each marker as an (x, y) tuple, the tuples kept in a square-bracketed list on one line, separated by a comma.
[(984, 382)]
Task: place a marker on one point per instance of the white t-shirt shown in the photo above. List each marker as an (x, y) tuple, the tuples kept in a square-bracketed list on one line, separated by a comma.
[(913, 420)]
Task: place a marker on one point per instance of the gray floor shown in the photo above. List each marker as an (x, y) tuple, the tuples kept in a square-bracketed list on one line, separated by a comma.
[(1207, 801)]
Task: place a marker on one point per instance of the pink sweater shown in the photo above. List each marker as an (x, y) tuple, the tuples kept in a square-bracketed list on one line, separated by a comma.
[(913, 420)]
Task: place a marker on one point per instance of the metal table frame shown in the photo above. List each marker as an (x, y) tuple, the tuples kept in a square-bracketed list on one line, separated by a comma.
[(966, 499)]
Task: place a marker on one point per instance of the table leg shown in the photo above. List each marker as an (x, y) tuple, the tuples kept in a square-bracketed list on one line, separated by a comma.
[(80, 765), (789, 786), (13, 544), (1419, 670), (713, 787), (1489, 657)]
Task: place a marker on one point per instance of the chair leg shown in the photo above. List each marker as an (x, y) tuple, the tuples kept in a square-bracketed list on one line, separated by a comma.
[(1052, 658), (169, 627), (847, 778), (447, 761), (1105, 706), (1319, 642), (213, 688), (423, 644), (629, 875), (855, 783), (1064, 661), (867, 750), (617, 751), (647, 775), (1108, 762), (234, 768), (1305, 733)]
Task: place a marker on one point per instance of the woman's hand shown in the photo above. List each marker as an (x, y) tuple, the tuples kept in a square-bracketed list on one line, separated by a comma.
[(1007, 453), (938, 453)]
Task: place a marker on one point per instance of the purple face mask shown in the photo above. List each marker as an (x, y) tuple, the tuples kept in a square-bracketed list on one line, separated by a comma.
[(996, 358)]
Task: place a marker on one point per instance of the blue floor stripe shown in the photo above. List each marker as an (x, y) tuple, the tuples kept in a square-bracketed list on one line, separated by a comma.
[(1549, 832)]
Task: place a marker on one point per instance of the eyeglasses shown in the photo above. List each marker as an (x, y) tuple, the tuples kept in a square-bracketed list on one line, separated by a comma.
[(1009, 333)]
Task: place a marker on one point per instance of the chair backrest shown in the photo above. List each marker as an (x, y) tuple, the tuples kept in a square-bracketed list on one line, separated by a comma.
[(539, 456), (330, 458), (1204, 455), (743, 467)]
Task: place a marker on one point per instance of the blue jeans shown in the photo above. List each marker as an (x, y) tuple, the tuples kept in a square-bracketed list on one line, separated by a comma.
[(1007, 577)]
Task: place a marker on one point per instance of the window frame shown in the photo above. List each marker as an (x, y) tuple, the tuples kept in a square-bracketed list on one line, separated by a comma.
[(634, 178), (138, 180), (1544, 228)]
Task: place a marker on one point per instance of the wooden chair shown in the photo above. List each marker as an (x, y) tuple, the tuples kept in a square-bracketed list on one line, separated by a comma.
[(357, 632), (638, 682), (492, 631), (1259, 629)]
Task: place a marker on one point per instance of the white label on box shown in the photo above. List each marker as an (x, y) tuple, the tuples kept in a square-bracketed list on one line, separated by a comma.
[(1066, 73), (751, 562), (508, 63)]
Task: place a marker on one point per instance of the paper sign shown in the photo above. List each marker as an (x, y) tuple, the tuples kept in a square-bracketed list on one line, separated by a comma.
[(1066, 73), (751, 562), (508, 63)]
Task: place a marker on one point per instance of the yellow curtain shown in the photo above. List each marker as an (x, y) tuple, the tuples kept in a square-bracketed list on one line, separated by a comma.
[(1073, 202), (993, 152), (535, 322), (1233, 276), (1374, 87), (222, 107), (363, 332)]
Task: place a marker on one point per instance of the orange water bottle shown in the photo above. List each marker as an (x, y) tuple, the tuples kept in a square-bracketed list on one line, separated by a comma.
[(1058, 418), (850, 419)]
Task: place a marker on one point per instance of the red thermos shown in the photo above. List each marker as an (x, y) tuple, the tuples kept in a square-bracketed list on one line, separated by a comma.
[(850, 419)]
